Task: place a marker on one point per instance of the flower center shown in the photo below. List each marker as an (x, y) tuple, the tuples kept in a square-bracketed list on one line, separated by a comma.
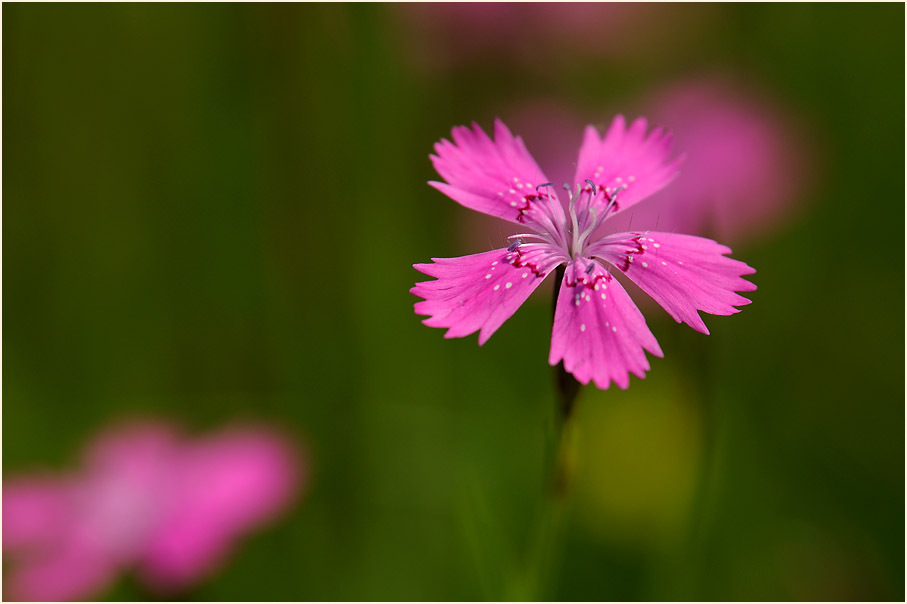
[(588, 208)]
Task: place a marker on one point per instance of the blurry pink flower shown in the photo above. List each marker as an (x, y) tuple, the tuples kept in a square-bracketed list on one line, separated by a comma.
[(598, 331), (747, 170), (444, 34), (148, 498)]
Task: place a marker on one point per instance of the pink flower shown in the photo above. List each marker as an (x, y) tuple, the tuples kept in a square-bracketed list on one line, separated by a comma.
[(146, 498), (747, 169), (598, 332), (442, 35)]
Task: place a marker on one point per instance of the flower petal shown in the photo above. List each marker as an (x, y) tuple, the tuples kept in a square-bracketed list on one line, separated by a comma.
[(598, 331), (35, 511), (223, 487), (481, 291), (494, 177), (683, 273), (626, 158), (70, 572)]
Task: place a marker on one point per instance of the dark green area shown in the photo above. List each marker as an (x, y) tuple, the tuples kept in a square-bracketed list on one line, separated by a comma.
[(211, 212)]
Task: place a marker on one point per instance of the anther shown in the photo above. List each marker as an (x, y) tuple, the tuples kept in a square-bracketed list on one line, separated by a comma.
[(590, 268), (544, 184), (514, 245), (591, 184)]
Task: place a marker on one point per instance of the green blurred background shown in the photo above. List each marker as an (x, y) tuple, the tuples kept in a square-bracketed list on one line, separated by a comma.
[(211, 212)]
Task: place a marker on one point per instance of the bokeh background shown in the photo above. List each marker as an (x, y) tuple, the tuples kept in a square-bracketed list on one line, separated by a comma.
[(211, 214)]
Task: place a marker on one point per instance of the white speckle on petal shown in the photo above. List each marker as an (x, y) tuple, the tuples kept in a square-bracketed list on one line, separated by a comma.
[(513, 203), (631, 178), (680, 262), (664, 263), (488, 276), (645, 247), (598, 286), (509, 285), (519, 185), (645, 265), (652, 240), (582, 327), (604, 296), (513, 190), (525, 275), (494, 263), (497, 287), (614, 329)]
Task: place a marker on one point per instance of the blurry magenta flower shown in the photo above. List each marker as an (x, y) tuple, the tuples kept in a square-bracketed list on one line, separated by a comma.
[(445, 34), (746, 169), (598, 331), (147, 497)]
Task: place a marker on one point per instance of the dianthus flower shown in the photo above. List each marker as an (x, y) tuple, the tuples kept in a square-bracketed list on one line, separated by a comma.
[(598, 331), (147, 498)]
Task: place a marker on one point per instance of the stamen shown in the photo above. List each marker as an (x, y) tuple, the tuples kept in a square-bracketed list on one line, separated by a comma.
[(573, 198), (542, 244), (573, 219), (514, 245), (589, 201), (612, 199), (543, 213), (593, 224)]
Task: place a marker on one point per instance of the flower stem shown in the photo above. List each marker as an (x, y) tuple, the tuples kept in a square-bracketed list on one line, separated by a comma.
[(567, 386), (567, 390)]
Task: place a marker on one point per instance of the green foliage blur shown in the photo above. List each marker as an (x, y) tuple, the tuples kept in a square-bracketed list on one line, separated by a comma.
[(211, 213)]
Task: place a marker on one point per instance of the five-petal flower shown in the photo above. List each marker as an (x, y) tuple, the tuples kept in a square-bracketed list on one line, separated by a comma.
[(598, 331)]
